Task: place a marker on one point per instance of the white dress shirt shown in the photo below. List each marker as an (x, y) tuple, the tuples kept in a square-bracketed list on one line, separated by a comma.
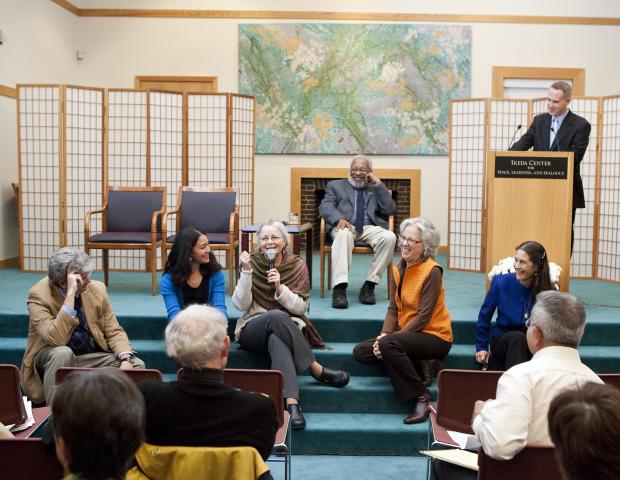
[(518, 415)]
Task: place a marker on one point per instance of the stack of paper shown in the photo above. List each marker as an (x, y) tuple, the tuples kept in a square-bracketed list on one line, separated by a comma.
[(29, 422)]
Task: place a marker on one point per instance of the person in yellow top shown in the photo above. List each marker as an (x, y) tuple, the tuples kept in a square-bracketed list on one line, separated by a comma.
[(417, 328)]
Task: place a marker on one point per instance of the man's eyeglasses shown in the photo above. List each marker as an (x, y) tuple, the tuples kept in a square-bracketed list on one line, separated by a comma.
[(85, 275), (409, 241)]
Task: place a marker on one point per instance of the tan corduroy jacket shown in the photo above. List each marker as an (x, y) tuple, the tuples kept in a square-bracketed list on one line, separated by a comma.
[(51, 326)]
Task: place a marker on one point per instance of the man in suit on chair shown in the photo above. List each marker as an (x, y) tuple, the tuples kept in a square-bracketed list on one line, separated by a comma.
[(353, 210), (563, 131)]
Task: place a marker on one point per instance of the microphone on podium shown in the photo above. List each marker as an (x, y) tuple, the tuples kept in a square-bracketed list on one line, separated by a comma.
[(513, 136), (271, 256)]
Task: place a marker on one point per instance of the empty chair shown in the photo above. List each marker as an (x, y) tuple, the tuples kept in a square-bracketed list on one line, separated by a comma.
[(132, 220), (135, 374), (27, 459), (531, 462), (12, 408)]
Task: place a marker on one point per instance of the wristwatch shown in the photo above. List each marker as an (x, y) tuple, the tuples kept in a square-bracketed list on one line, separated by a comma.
[(128, 357)]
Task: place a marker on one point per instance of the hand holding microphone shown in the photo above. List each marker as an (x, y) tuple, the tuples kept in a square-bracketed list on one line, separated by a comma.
[(273, 276)]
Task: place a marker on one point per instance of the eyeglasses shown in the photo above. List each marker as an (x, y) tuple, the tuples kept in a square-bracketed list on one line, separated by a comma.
[(409, 241), (85, 275), (528, 323), (273, 238)]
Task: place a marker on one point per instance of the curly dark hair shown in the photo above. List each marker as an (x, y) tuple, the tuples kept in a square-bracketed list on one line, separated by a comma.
[(178, 261), (538, 255)]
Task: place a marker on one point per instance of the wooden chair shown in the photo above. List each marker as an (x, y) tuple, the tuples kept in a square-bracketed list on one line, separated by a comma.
[(612, 379), (131, 221), (213, 211), (360, 248), (269, 382), (531, 462), (12, 409), (135, 374), (27, 458), (458, 390)]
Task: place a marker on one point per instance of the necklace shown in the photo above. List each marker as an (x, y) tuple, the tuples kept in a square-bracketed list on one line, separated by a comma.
[(526, 308)]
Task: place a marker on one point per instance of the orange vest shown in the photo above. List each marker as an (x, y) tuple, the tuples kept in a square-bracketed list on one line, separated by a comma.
[(408, 301)]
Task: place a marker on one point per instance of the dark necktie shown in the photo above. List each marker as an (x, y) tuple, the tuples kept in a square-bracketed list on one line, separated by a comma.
[(359, 210)]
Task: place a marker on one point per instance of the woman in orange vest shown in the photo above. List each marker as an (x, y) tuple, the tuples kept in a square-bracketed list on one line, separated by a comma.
[(417, 330)]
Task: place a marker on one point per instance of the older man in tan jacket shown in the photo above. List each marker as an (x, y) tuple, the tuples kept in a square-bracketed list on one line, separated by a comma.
[(72, 324)]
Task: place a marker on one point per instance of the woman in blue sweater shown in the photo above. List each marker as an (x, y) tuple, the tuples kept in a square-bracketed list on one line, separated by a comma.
[(513, 295), (192, 275)]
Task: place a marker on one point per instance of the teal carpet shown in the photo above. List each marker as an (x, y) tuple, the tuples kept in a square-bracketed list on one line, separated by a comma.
[(363, 419)]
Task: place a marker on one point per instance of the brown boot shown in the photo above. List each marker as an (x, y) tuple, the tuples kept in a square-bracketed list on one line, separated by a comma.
[(420, 409), (429, 369)]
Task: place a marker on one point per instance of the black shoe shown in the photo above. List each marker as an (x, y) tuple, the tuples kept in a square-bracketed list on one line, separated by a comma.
[(367, 293), (333, 378), (339, 296), (420, 410), (298, 422)]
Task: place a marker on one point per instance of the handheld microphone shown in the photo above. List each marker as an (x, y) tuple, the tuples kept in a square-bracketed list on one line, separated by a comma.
[(271, 256), (513, 136)]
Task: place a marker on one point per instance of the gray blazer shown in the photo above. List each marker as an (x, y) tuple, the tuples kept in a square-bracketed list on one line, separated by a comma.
[(340, 198)]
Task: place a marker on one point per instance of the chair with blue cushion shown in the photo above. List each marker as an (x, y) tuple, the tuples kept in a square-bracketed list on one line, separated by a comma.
[(132, 220), (213, 211)]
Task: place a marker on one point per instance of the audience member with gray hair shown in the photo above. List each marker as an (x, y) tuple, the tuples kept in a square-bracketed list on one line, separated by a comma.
[(417, 329), (199, 409), (72, 324), (518, 415)]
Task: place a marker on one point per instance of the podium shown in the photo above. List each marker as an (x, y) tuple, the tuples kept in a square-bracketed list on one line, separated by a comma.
[(529, 197)]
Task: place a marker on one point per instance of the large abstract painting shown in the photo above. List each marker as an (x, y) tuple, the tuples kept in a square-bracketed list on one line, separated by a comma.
[(351, 88)]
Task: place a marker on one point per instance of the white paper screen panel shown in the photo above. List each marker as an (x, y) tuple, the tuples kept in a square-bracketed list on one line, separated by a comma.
[(583, 248), (166, 132), (127, 156), (242, 155), (539, 105), (609, 217), (505, 116), (206, 139), (83, 162), (467, 153), (40, 172)]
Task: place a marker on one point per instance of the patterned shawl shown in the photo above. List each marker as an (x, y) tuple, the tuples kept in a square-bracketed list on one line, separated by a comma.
[(293, 274)]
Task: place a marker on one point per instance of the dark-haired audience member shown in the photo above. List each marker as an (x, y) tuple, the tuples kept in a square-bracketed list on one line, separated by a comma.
[(72, 324), (417, 330), (98, 424), (513, 295), (274, 295), (199, 409), (517, 417), (584, 425), (192, 274)]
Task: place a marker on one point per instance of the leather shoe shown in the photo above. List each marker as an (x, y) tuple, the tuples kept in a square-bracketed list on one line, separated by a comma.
[(298, 422), (420, 410), (429, 369), (333, 378), (339, 297), (367, 293)]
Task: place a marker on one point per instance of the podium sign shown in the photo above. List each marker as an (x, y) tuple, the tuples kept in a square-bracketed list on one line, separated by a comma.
[(529, 197)]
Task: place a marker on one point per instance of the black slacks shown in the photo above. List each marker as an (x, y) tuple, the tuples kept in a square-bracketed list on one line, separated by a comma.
[(402, 355), (509, 349)]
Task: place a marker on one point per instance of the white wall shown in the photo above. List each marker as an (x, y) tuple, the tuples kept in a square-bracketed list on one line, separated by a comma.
[(39, 48), (117, 49)]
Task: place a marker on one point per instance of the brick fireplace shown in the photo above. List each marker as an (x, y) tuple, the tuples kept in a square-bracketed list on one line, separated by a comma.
[(308, 187)]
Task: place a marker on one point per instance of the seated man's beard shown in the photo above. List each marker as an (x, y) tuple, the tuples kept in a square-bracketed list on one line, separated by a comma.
[(363, 183)]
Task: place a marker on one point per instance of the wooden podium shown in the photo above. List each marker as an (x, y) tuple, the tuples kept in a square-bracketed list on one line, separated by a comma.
[(529, 197)]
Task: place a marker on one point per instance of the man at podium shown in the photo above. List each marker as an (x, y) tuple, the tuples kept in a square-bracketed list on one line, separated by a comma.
[(560, 130)]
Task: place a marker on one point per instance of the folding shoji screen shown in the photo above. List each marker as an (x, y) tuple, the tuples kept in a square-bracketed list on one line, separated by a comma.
[(39, 120), (608, 261), (243, 112), (166, 145), (467, 154), (128, 156), (83, 161)]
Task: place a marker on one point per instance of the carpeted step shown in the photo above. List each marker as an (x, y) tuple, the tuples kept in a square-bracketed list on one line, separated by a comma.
[(359, 434)]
